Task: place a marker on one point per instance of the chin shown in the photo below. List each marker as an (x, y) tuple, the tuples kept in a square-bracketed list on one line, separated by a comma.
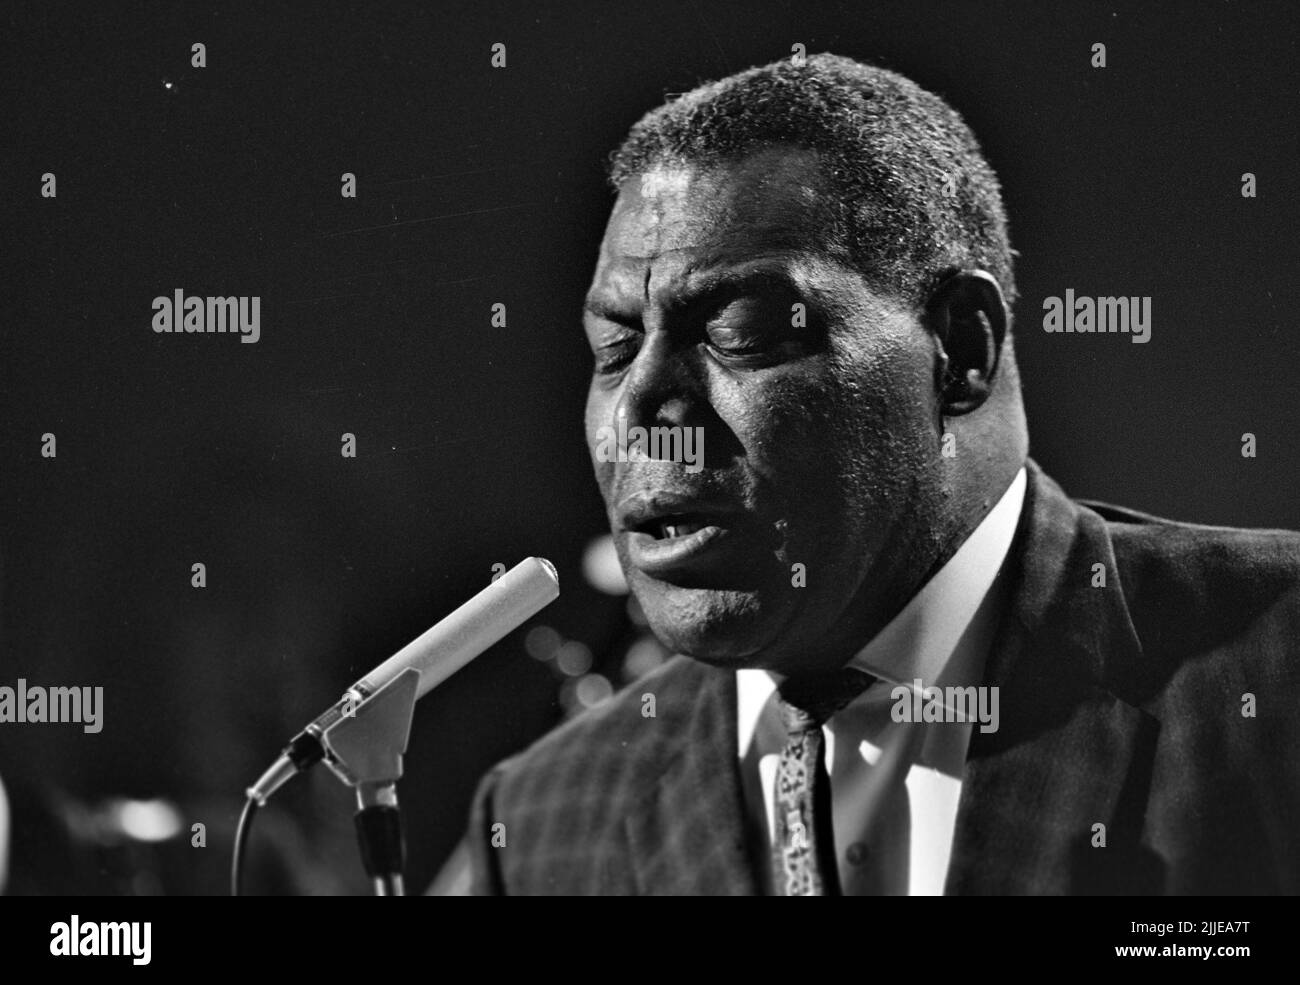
[(725, 628)]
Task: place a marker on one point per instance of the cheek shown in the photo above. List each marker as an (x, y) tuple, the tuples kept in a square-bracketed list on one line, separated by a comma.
[(801, 425), (598, 415), (842, 435), (788, 432), (885, 391), (791, 427)]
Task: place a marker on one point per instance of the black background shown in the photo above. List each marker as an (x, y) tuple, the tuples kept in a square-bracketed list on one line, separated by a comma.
[(476, 186)]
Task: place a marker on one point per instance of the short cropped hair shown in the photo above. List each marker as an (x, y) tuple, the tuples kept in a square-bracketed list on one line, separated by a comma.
[(912, 197)]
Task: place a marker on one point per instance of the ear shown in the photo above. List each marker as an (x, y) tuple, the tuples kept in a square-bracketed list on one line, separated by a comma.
[(968, 316)]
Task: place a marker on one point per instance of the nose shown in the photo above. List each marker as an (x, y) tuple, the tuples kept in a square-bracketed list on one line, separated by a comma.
[(659, 388)]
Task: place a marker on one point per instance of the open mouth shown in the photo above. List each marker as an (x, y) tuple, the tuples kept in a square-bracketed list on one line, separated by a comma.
[(679, 537), (674, 525), (686, 545)]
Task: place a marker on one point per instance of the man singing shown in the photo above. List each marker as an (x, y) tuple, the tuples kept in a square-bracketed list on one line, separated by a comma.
[(807, 265)]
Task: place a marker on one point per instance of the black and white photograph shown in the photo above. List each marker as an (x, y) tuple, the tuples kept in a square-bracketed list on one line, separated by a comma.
[(659, 449)]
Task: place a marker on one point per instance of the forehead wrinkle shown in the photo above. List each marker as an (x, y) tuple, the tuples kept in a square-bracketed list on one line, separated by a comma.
[(622, 285), (732, 250), (678, 221), (806, 271), (717, 275), (769, 196)]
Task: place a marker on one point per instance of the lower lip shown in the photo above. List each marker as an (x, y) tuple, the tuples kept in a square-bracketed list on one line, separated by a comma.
[(704, 548)]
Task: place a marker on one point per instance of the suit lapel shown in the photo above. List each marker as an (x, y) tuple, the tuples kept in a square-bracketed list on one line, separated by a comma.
[(1070, 752), (686, 834)]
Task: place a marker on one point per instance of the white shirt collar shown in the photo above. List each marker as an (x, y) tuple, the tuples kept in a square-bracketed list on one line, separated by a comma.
[(941, 635)]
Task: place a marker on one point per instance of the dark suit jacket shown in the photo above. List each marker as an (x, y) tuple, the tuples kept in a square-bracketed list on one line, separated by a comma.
[(1121, 705)]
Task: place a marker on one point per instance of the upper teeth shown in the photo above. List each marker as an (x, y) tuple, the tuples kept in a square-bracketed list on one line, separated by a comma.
[(680, 529)]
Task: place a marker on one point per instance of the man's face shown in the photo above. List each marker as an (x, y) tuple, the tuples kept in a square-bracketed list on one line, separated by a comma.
[(820, 427)]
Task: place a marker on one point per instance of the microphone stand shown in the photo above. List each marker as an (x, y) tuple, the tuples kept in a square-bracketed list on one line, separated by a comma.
[(364, 749)]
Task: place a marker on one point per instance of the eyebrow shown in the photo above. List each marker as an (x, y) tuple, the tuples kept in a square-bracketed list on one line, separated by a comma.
[(601, 308), (702, 288)]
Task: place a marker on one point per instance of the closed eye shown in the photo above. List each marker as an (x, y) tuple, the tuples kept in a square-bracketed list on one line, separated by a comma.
[(750, 332), (614, 347)]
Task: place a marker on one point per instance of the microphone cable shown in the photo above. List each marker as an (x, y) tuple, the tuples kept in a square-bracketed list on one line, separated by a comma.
[(242, 832)]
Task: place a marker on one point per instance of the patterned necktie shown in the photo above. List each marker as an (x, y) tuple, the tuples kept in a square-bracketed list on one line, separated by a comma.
[(803, 849)]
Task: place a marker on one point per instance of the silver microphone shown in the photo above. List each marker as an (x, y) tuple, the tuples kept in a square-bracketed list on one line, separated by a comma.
[(503, 606)]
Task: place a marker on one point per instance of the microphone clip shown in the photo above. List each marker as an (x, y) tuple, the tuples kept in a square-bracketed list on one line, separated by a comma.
[(364, 745), (364, 749)]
